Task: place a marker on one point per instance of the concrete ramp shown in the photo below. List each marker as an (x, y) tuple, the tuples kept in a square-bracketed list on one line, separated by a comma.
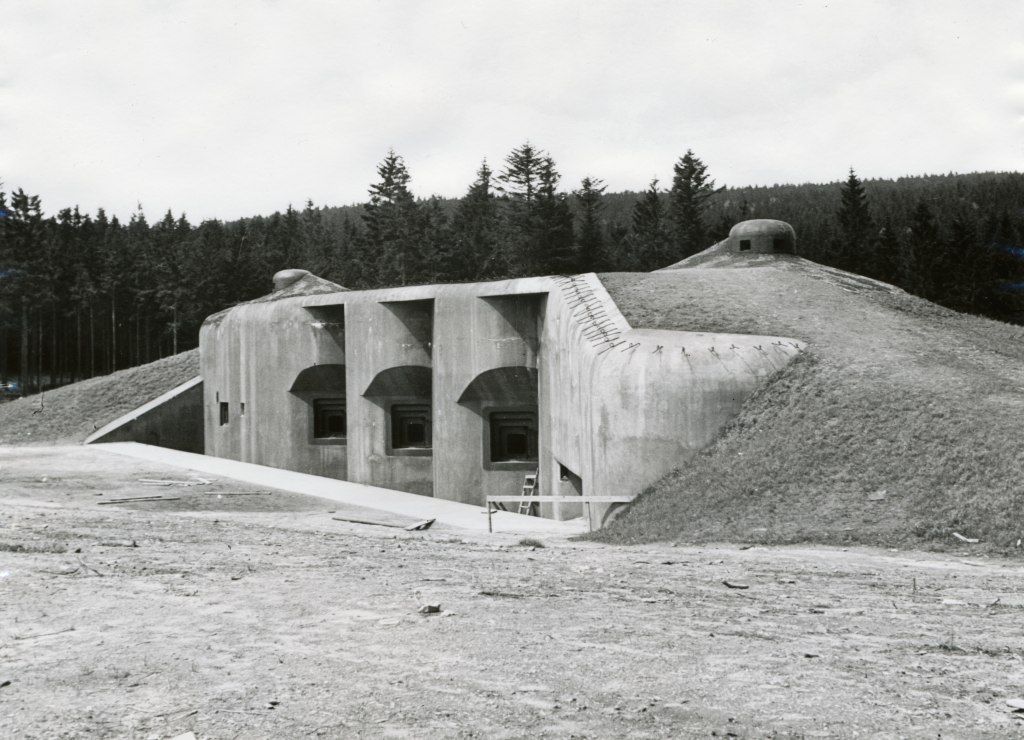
[(173, 419), (464, 516)]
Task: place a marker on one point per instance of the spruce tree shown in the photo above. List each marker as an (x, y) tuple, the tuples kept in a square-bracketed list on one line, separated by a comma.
[(590, 225), (521, 177), (477, 230), (856, 227), (317, 241), (969, 267), (25, 234), (517, 184), (887, 254), (924, 251), (439, 261), (393, 223), (553, 249), (691, 188), (6, 288), (349, 258), (649, 242), (538, 220)]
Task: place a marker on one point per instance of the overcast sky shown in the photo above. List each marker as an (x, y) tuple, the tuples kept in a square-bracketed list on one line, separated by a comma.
[(225, 109)]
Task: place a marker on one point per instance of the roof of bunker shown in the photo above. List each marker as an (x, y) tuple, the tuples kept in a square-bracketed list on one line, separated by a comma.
[(305, 286)]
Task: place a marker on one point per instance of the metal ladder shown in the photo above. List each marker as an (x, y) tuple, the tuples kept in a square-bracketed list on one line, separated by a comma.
[(529, 489)]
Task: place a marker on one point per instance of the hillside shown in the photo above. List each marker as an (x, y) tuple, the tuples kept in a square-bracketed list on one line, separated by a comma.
[(71, 413), (899, 426)]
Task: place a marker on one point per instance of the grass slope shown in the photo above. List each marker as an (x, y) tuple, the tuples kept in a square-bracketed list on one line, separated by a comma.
[(896, 399), (69, 414)]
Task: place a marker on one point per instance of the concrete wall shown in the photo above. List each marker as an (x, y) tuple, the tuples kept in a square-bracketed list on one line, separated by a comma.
[(380, 336), (174, 420), (618, 407), (251, 355), (475, 335), (623, 416)]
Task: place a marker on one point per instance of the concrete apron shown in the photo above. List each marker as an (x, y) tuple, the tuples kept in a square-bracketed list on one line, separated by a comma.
[(452, 513)]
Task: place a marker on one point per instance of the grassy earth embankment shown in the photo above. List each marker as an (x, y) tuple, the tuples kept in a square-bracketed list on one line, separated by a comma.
[(69, 414), (899, 426)]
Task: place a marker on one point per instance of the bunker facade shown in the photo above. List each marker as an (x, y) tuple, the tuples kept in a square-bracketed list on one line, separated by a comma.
[(459, 391)]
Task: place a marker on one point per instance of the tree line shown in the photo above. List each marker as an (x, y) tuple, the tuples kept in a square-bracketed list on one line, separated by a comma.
[(85, 294)]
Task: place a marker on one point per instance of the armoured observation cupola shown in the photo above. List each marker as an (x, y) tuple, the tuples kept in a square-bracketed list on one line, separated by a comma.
[(284, 278), (762, 236)]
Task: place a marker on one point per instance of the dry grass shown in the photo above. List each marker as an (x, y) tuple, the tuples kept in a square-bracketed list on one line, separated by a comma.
[(901, 424), (69, 414)]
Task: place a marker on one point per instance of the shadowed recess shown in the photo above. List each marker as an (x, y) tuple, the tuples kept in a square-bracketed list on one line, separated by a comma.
[(410, 381), (503, 385), (320, 379)]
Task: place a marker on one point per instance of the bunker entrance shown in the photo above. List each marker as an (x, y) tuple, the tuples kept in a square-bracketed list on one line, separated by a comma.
[(568, 484)]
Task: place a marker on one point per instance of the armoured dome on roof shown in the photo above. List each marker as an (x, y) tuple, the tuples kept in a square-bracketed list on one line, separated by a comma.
[(762, 236), (284, 278)]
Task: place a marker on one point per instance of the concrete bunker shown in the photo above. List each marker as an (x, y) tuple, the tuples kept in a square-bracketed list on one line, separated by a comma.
[(762, 236), (467, 391)]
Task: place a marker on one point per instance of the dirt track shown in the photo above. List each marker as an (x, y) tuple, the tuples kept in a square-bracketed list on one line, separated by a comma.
[(287, 623)]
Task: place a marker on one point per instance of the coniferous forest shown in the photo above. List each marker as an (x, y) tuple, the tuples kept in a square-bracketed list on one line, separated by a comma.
[(84, 294)]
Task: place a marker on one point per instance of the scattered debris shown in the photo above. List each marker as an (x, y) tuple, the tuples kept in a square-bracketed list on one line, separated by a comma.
[(218, 494), (968, 540), (43, 634), (174, 482), (85, 566), (44, 548), (416, 526), (138, 498), (502, 594), (242, 573), (735, 584), (430, 609)]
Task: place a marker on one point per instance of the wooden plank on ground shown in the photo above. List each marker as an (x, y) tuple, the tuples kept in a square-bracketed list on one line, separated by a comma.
[(563, 499)]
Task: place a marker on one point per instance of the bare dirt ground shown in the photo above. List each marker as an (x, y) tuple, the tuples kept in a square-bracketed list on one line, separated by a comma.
[(140, 621)]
